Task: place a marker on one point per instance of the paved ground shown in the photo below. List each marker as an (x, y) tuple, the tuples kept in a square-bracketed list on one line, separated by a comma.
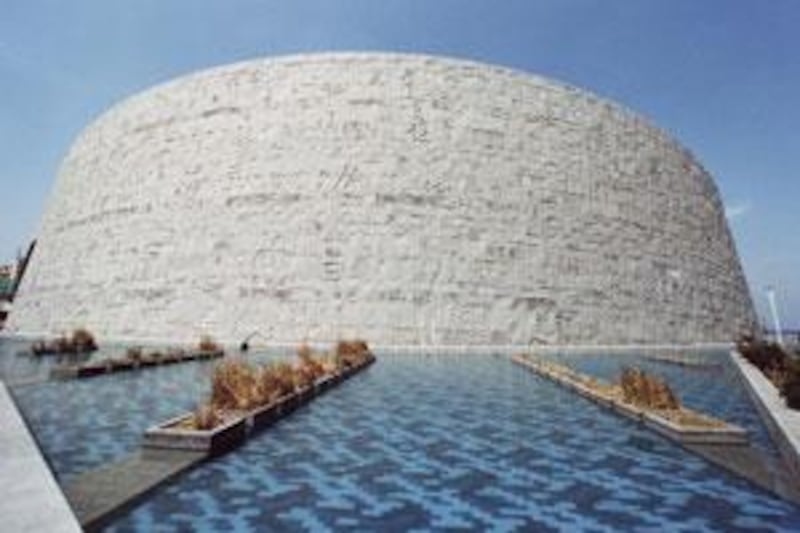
[(99, 495), (30, 498)]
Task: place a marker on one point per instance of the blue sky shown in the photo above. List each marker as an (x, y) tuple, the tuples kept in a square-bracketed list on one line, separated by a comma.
[(723, 76)]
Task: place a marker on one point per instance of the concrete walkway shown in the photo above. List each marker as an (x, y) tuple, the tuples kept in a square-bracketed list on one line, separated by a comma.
[(30, 498), (100, 495)]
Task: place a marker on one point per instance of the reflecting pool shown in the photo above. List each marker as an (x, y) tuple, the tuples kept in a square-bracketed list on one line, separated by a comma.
[(418, 442)]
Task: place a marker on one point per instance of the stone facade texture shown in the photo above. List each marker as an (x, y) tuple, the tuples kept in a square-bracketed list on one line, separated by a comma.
[(403, 199)]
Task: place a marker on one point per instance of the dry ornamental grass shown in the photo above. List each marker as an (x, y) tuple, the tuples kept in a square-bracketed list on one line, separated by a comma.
[(238, 385), (644, 390), (208, 344)]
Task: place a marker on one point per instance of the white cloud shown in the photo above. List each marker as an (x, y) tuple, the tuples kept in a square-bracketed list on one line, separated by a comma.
[(737, 210)]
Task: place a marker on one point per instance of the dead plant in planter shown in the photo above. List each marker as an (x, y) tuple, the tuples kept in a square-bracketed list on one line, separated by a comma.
[(173, 355), (645, 390), (206, 417), (82, 341), (351, 353), (284, 374), (134, 354), (152, 358), (234, 385), (208, 344), (121, 362), (329, 365), (269, 385), (63, 345), (303, 376), (308, 363), (304, 352)]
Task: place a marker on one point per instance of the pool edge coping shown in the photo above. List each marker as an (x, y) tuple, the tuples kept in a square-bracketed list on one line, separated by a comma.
[(783, 423), (391, 348), (30, 497)]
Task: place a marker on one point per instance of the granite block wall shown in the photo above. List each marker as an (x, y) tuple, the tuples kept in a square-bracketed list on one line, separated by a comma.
[(404, 199)]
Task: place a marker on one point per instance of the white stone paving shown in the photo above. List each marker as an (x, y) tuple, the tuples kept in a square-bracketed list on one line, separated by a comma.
[(30, 498)]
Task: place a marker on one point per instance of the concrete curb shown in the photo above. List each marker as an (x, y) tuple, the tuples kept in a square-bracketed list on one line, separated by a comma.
[(782, 423)]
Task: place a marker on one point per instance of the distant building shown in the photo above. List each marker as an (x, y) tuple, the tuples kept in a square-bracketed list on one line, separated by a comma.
[(7, 279), (7, 282), (10, 278)]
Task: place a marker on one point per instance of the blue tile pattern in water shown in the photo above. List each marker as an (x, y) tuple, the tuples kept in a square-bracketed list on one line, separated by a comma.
[(420, 443), (82, 424), (19, 365)]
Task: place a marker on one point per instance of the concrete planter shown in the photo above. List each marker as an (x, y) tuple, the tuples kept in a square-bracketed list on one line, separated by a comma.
[(727, 434), (234, 432), (304, 395), (92, 369), (326, 383), (121, 365), (99, 368), (64, 372), (212, 442), (264, 417)]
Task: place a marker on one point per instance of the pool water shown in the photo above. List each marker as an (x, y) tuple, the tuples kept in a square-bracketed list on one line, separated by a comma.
[(414, 443), (18, 366), (82, 424)]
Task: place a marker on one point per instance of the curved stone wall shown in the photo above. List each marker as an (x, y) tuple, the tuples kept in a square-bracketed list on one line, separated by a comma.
[(405, 199)]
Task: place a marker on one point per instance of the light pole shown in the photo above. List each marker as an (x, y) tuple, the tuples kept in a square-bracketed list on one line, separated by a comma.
[(774, 309)]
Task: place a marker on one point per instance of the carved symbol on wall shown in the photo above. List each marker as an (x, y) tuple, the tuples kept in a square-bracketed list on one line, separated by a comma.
[(340, 181), (419, 126)]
